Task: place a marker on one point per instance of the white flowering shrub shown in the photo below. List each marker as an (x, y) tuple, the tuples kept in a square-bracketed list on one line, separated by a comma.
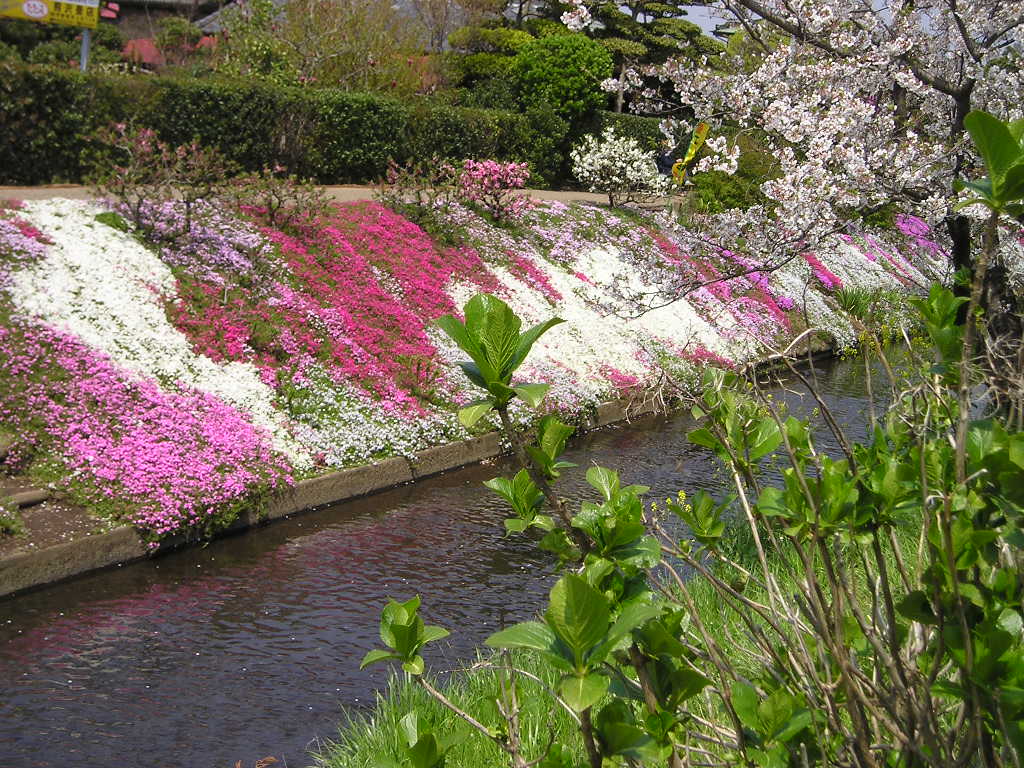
[(619, 167)]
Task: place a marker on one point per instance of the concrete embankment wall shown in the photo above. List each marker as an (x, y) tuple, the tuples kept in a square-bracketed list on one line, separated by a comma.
[(27, 570)]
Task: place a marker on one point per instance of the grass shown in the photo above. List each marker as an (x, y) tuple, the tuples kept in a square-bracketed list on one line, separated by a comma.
[(371, 740), (364, 740), (11, 523), (368, 741)]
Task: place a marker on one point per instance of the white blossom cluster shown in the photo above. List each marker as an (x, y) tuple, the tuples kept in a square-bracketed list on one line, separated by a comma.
[(577, 18), (720, 156), (617, 166), (104, 287), (862, 103), (343, 426)]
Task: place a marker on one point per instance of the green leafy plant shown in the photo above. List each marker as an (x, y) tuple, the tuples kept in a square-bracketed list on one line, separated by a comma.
[(564, 71), (404, 633), (11, 522), (839, 647), (491, 337)]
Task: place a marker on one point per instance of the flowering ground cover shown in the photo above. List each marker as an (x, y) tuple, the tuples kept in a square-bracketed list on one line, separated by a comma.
[(170, 375)]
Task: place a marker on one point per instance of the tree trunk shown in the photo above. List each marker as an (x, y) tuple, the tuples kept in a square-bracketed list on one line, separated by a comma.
[(959, 228), (621, 95)]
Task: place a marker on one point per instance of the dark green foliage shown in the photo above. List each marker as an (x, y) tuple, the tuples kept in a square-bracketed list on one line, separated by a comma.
[(58, 45), (547, 150), (46, 116), (8, 52), (351, 136), (715, 192), (49, 118), (643, 129), (458, 132), (489, 93), (11, 522)]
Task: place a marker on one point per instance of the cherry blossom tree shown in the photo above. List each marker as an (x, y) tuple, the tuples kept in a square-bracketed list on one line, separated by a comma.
[(863, 102)]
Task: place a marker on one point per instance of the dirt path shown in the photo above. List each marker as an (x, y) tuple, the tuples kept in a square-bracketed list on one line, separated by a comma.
[(343, 194)]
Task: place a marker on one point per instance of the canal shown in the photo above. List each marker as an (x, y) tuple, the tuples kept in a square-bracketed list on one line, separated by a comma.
[(250, 646)]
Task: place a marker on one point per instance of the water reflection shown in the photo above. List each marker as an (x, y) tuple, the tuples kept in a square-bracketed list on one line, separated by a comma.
[(250, 646)]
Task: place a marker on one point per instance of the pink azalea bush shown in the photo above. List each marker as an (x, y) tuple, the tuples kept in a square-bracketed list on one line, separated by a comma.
[(492, 185)]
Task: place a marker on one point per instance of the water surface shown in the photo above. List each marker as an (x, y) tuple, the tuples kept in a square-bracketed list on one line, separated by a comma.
[(250, 646)]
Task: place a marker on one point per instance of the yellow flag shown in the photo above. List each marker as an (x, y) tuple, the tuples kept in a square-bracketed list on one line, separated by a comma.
[(700, 133)]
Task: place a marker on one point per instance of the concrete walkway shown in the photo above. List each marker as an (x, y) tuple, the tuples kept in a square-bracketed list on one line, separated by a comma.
[(343, 194)]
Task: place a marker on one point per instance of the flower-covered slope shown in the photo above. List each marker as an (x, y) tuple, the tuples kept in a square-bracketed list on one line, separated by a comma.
[(171, 373)]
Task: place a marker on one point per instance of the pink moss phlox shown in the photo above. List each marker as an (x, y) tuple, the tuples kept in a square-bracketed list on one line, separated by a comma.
[(20, 244), (619, 379), (526, 270), (896, 261), (829, 281), (423, 271), (584, 278), (178, 459), (372, 337), (920, 235), (702, 356), (362, 284)]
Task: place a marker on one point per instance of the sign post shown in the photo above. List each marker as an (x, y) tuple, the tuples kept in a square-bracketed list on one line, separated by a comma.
[(69, 13), (83, 57)]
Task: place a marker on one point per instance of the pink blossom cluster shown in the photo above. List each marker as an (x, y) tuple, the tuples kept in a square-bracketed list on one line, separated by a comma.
[(170, 461), (525, 269), (729, 283), (620, 380), (920, 235), (363, 283), (20, 243), (702, 356), (826, 277), (422, 270), (492, 186)]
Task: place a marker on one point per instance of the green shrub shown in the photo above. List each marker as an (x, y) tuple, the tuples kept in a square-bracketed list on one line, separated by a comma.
[(495, 39), (715, 192), (8, 52), (46, 116), (353, 135), (49, 118), (547, 151), (644, 130), (11, 522), (469, 67), (564, 71), (491, 93)]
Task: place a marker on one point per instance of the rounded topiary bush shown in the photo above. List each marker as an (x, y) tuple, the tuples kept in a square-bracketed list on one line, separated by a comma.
[(565, 71)]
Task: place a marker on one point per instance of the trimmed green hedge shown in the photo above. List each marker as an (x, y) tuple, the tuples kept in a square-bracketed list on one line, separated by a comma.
[(644, 129), (48, 116)]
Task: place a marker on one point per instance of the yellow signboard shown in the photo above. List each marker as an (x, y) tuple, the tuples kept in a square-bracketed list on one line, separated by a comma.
[(70, 13)]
